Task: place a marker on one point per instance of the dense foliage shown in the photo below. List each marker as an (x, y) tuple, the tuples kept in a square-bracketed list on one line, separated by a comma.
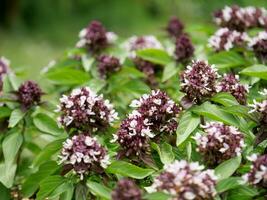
[(142, 118)]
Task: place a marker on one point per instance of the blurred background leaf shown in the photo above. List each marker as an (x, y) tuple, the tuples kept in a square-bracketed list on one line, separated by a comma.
[(34, 32)]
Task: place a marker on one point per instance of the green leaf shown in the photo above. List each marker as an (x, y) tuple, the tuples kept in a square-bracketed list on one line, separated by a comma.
[(227, 59), (99, 190), (133, 86), (68, 194), (64, 187), (48, 185), (214, 112), (4, 112), (46, 124), (225, 99), (14, 81), (96, 84), (130, 72), (259, 71), (11, 146), (157, 196), (5, 193), (81, 191), (15, 117), (242, 193), (169, 71), (7, 174), (165, 152), (227, 168), (87, 62), (242, 111), (228, 184), (67, 76), (31, 184), (47, 152), (156, 56), (187, 125), (128, 170)]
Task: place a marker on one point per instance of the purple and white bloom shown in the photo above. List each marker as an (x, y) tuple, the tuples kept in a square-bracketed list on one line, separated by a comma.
[(259, 46), (4, 65), (83, 153), (198, 81), (134, 134), (258, 173), (184, 49), (225, 39), (175, 27), (149, 69), (160, 111), (220, 143), (83, 109), (142, 42), (237, 18), (4, 69), (126, 189), (107, 65), (230, 83), (186, 181), (95, 37), (29, 94), (261, 108)]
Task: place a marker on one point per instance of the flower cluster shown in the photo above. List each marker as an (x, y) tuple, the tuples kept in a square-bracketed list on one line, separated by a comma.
[(240, 19), (259, 46), (198, 81), (83, 153), (4, 65), (126, 190), (29, 94), (134, 134), (83, 109), (184, 48), (220, 143), (143, 42), (4, 68), (148, 68), (258, 173), (159, 110), (95, 37), (184, 180), (261, 108), (108, 65), (230, 83), (175, 27), (225, 39), (154, 114)]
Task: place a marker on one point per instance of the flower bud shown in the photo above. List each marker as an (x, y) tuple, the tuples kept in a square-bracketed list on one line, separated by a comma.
[(258, 173), (108, 65), (184, 48), (29, 94), (230, 83), (175, 27), (126, 190)]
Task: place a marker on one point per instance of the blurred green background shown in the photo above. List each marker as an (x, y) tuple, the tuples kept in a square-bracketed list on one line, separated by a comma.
[(33, 32)]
